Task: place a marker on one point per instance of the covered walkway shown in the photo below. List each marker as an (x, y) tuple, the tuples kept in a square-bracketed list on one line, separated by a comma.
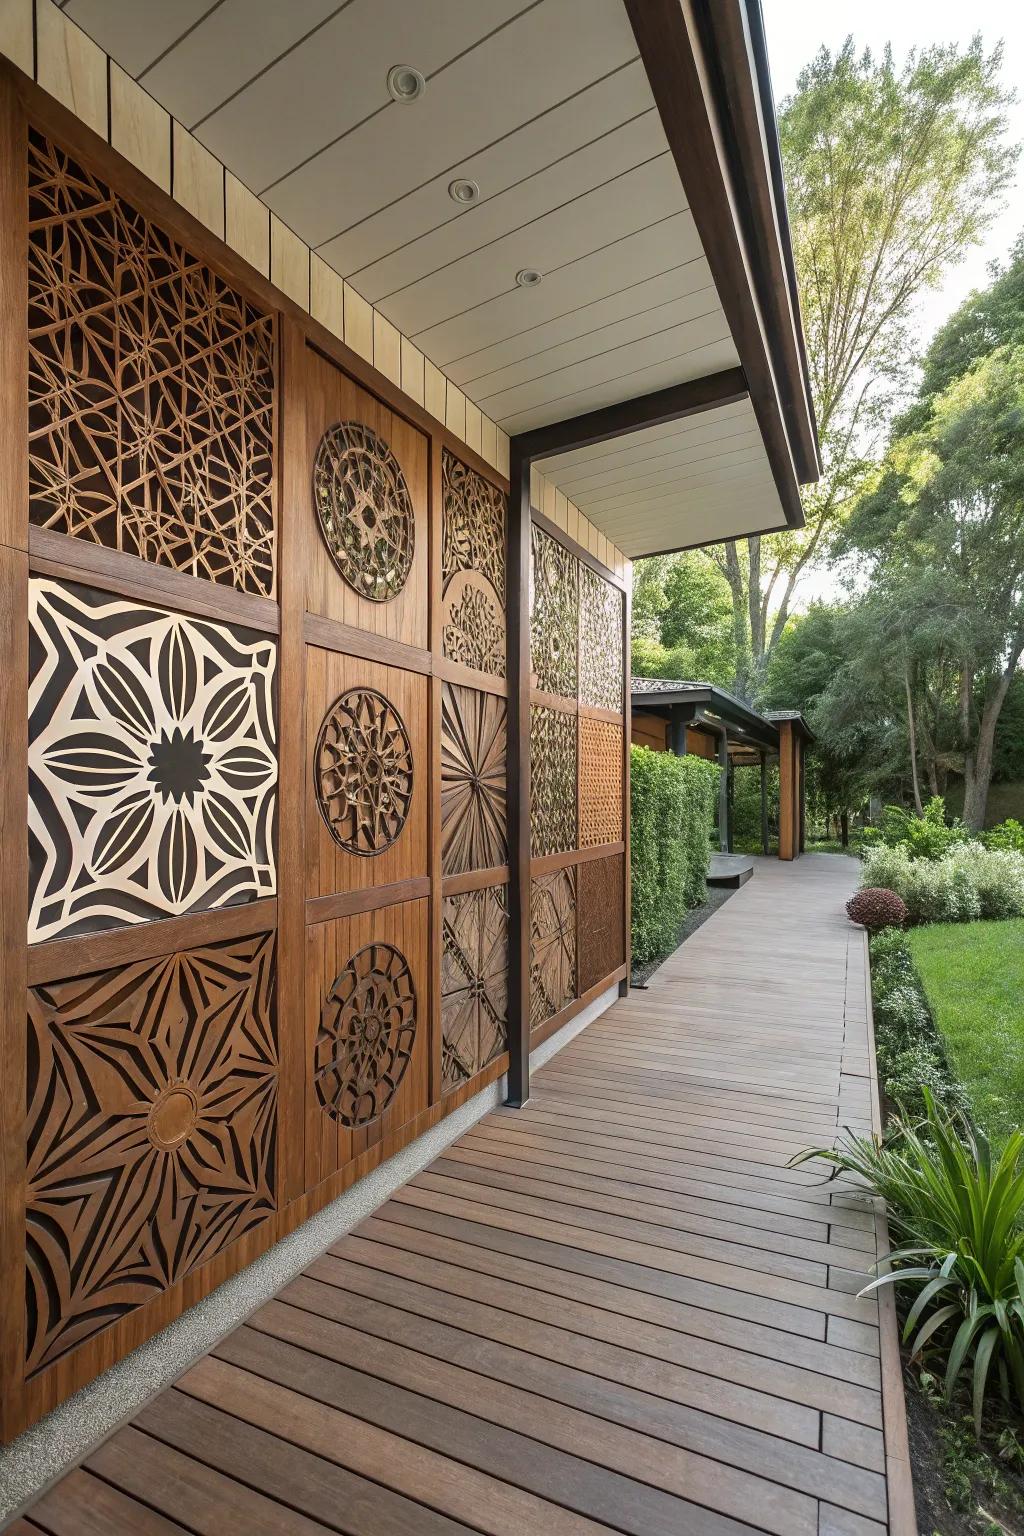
[(616, 1309)]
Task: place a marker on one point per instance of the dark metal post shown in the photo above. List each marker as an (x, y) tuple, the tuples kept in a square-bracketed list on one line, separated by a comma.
[(518, 778), (723, 791), (764, 803), (677, 731)]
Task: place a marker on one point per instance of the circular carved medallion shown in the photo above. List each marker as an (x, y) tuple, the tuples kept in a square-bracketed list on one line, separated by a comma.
[(363, 772), (364, 510), (366, 1034), (173, 1116)]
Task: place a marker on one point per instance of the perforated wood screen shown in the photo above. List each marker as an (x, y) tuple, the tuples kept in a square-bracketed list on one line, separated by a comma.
[(256, 658)]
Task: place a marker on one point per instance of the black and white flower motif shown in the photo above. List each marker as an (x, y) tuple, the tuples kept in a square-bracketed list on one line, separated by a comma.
[(152, 762)]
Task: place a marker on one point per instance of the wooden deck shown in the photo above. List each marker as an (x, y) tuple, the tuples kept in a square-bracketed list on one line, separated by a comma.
[(616, 1309)]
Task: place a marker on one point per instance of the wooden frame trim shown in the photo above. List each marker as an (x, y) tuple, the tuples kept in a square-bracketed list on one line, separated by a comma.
[(474, 880), (548, 863), (324, 909), (332, 635), (671, 54)]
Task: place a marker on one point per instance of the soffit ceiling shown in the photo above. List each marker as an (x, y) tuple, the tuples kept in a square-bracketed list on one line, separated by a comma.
[(547, 106)]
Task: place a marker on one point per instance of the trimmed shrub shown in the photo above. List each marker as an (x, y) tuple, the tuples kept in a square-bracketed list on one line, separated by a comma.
[(672, 810), (876, 908), (910, 1052), (969, 882)]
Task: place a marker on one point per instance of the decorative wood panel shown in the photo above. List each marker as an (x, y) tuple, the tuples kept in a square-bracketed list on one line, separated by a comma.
[(554, 615), (600, 894), (552, 944), (368, 776), (600, 667), (152, 762), (600, 790), (151, 1131), (552, 780), (473, 568), (367, 1030), (364, 510), (474, 983), (151, 387), (473, 791)]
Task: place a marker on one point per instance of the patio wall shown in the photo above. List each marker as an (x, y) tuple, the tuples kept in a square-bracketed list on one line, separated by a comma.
[(258, 632)]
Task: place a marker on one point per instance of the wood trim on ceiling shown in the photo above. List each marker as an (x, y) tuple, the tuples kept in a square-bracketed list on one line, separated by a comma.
[(677, 71)]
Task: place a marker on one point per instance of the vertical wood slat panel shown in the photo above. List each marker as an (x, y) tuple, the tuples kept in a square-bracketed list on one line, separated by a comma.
[(71, 66), (140, 128)]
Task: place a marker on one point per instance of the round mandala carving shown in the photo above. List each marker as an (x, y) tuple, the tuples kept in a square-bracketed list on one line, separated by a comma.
[(364, 510), (366, 1035), (363, 772)]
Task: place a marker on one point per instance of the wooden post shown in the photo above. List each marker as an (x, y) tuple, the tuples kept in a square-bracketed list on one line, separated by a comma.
[(519, 889), (789, 792)]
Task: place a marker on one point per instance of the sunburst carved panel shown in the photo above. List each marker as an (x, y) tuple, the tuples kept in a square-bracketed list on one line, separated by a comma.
[(474, 983), (552, 944), (601, 675), (600, 782), (152, 1124), (600, 899), (473, 790), (366, 1035), (151, 387), (473, 569), (552, 781), (152, 762), (365, 510), (364, 772), (554, 615)]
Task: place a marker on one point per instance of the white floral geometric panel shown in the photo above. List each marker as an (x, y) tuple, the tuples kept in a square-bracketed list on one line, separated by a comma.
[(152, 762)]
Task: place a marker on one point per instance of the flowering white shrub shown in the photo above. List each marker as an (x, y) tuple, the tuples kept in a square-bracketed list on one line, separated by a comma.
[(968, 882)]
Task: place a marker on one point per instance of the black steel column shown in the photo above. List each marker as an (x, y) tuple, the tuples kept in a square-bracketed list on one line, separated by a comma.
[(765, 845), (723, 791), (677, 731), (518, 779)]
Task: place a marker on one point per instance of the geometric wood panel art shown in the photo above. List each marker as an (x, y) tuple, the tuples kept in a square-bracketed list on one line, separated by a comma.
[(363, 772), (152, 762), (151, 387), (599, 904), (474, 983), (600, 641), (473, 790), (364, 510), (552, 943), (366, 1035), (552, 781), (473, 569), (554, 615), (600, 793), (151, 1131)]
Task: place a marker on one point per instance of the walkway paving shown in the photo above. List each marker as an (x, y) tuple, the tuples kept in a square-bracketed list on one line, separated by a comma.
[(616, 1309)]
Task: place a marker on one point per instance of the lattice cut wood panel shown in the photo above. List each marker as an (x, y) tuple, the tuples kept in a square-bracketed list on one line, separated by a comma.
[(151, 1131), (474, 983), (152, 762), (151, 387), (600, 791), (552, 781), (601, 678), (554, 615), (473, 787), (367, 1032), (473, 569), (600, 897), (552, 944)]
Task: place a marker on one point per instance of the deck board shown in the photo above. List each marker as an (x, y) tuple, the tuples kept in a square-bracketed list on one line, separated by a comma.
[(614, 1310)]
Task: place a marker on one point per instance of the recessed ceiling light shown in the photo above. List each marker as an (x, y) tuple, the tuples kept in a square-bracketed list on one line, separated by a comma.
[(464, 191), (405, 83), (528, 277)]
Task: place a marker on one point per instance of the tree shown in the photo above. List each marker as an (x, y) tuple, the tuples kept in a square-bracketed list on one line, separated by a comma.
[(891, 175), (946, 519), (682, 620)]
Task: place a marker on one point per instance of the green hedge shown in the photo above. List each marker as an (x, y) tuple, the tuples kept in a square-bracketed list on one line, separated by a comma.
[(672, 813)]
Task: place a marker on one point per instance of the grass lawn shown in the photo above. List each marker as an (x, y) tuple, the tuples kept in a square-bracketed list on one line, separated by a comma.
[(973, 975)]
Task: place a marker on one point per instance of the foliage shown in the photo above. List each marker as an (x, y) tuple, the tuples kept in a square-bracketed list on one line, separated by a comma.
[(672, 806), (927, 836), (746, 806), (682, 620), (891, 175), (1008, 835), (875, 909), (973, 979), (957, 1210), (970, 882), (910, 1051)]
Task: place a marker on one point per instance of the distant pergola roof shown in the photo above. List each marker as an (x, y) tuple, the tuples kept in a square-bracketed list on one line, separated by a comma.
[(658, 695)]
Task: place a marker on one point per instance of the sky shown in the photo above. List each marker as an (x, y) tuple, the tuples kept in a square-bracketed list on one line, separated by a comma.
[(795, 30)]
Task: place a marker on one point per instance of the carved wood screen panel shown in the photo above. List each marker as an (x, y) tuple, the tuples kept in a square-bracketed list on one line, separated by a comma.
[(600, 786), (474, 983), (151, 387), (473, 780), (600, 900), (473, 568), (553, 974)]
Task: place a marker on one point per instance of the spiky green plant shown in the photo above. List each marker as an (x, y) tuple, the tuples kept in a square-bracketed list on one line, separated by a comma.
[(957, 1212)]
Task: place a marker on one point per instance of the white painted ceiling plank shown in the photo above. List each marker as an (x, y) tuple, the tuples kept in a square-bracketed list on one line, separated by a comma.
[(655, 470), (704, 426), (132, 33)]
